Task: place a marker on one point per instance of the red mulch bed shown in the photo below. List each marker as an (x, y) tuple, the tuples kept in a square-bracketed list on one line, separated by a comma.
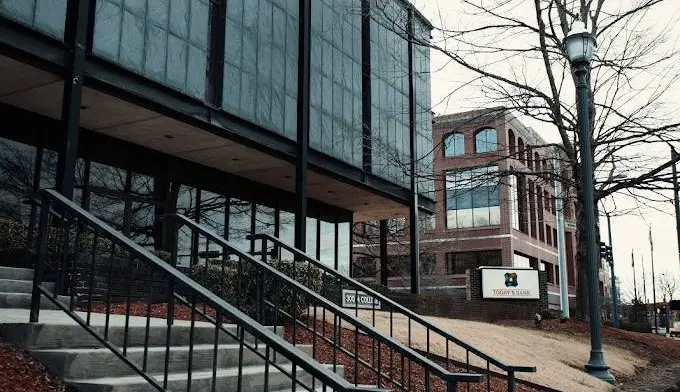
[(141, 309), (20, 373), (326, 354)]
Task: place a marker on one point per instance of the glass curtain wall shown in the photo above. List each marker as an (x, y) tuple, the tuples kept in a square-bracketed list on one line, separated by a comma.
[(125, 200), (46, 16), (166, 41), (423, 128), (390, 92), (335, 122)]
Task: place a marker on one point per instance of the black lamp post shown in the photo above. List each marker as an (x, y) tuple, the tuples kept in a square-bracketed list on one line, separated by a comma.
[(580, 46)]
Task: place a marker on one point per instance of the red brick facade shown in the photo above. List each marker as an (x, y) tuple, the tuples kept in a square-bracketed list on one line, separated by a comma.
[(534, 238)]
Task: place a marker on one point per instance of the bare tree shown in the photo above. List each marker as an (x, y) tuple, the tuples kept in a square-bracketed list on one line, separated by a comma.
[(669, 286), (515, 52)]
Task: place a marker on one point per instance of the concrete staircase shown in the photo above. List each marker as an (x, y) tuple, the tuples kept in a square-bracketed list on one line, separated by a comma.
[(70, 352), (16, 285)]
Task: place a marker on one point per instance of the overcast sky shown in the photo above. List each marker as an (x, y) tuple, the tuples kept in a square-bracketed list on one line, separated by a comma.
[(451, 93)]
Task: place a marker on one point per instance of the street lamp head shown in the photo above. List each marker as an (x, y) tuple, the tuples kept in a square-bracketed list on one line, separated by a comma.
[(579, 44)]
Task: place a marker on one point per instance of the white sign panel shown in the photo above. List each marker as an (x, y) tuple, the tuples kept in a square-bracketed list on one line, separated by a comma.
[(501, 283), (358, 299)]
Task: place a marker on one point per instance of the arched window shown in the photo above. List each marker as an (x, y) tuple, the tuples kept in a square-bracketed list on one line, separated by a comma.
[(520, 147), (537, 162), (454, 145), (486, 140), (511, 142)]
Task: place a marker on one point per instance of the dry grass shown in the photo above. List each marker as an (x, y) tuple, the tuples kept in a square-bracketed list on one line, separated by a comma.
[(558, 358)]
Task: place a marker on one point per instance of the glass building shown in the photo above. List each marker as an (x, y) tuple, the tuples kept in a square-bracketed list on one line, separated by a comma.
[(194, 106)]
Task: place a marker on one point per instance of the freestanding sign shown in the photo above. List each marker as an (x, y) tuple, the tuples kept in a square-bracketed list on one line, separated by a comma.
[(358, 299), (510, 283)]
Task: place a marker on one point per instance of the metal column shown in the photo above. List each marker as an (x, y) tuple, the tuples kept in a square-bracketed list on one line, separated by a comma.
[(383, 252), (596, 365), (366, 137), (77, 20), (304, 47), (414, 239)]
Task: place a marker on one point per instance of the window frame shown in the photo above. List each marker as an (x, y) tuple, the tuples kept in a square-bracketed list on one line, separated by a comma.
[(453, 136), (487, 143)]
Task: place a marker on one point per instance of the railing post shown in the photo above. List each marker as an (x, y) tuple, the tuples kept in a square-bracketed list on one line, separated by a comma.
[(451, 385), (40, 262), (511, 381)]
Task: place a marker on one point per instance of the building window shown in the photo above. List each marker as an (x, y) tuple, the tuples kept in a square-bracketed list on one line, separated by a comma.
[(427, 222), (459, 262), (454, 145), (557, 275), (550, 272), (530, 161), (548, 234), (520, 261), (472, 198), (541, 222), (520, 149), (514, 202), (511, 142), (554, 237), (428, 264), (537, 162), (486, 140)]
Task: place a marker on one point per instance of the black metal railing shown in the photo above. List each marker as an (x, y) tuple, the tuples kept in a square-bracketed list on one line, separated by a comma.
[(420, 334), (114, 284), (287, 292)]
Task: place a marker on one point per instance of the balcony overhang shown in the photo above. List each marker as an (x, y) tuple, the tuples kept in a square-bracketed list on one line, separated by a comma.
[(126, 106)]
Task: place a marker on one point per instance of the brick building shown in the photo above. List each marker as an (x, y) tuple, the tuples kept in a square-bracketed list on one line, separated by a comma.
[(495, 205)]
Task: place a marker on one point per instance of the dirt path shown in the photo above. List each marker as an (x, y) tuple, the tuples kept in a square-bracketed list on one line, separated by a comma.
[(655, 379)]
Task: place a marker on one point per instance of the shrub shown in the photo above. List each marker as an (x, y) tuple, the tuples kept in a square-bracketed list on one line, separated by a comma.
[(239, 285)]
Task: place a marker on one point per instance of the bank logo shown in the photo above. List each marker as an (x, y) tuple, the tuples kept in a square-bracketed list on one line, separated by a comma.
[(510, 279)]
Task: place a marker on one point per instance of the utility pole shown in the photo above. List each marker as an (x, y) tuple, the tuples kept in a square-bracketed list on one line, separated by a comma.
[(632, 263), (635, 293), (615, 304), (676, 197), (651, 246), (644, 283)]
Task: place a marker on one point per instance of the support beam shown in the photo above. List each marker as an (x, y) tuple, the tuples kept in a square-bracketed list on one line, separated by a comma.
[(414, 239), (77, 20), (218, 14), (302, 147), (383, 252), (366, 85)]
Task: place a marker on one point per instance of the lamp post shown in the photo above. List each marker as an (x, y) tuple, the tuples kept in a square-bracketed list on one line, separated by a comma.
[(580, 46)]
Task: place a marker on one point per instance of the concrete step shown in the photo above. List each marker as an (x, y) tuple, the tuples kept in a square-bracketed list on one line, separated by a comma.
[(20, 286), (13, 300), (90, 363), (40, 336), (16, 273), (252, 380)]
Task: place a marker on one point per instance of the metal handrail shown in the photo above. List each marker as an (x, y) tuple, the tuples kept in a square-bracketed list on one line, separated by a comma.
[(411, 314), (338, 311), (176, 277)]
